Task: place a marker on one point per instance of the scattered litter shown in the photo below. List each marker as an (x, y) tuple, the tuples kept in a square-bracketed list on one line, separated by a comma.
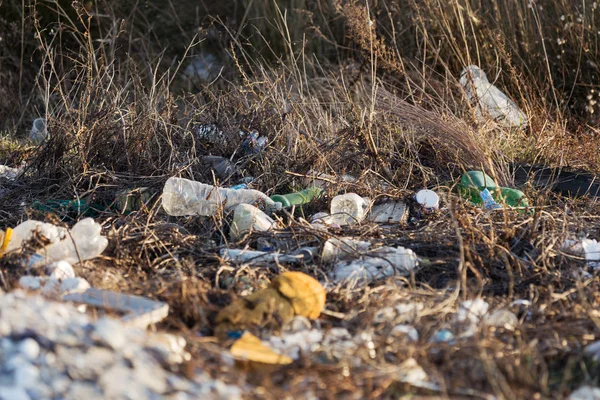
[(253, 143), (131, 200), (288, 295), (299, 198), (403, 313), (209, 133), (412, 373), (336, 249), (253, 257), (250, 348), (60, 270), (488, 201), (388, 213), (405, 330), (137, 311), (443, 336), (589, 248), (295, 343), (185, 197), (472, 183), (470, 314), (348, 209), (502, 318), (428, 200), (472, 311), (9, 172), (491, 101), (83, 242), (378, 264), (480, 189), (222, 167), (247, 218), (38, 132)]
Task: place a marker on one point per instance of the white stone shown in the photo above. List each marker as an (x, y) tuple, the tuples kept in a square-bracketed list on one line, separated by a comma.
[(13, 393), (109, 332), (73, 285), (26, 376), (29, 348), (30, 282)]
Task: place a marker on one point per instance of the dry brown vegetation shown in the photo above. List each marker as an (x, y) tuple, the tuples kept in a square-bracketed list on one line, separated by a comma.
[(343, 87)]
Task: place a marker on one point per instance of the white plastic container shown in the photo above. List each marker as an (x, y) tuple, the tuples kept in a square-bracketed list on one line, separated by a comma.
[(185, 197), (428, 200), (247, 218), (336, 249), (348, 209), (83, 242)]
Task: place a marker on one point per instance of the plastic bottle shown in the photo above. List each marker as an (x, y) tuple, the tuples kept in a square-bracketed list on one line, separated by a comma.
[(185, 197), (335, 249), (379, 264), (298, 198), (513, 197), (248, 218), (348, 209), (83, 242), (472, 183)]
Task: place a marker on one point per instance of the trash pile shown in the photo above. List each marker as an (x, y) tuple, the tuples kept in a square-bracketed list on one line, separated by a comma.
[(64, 337)]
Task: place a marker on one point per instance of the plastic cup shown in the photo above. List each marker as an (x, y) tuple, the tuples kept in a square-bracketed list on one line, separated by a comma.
[(428, 199)]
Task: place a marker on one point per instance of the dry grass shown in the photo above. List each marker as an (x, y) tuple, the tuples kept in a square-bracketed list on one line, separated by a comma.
[(341, 87)]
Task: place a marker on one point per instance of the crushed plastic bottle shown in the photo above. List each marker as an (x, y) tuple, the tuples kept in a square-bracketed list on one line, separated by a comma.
[(336, 249), (243, 256), (491, 101), (348, 209), (247, 218), (381, 263), (185, 197), (83, 242)]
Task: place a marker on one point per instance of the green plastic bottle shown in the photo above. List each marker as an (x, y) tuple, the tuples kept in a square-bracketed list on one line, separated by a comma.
[(473, 182), (299, 198), (512, 197)]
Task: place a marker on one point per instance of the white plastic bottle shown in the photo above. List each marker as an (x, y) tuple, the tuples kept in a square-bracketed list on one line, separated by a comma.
[(185, 197), (83, 242), (348, 209), (336, 249), (248, 218)]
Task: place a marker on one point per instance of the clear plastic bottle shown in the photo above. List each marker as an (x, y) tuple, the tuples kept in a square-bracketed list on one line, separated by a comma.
[(348, 209), (185, 197), (378, 264), (337, 249), (248, 218), (83, 242)]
